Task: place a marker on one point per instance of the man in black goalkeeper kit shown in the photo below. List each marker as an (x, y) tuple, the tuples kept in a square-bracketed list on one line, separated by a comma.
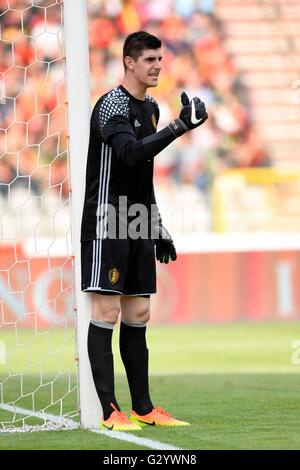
[(119, 271)]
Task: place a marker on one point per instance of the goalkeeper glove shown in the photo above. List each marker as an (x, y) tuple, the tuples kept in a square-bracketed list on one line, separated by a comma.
[(165, 249), (193, 114)]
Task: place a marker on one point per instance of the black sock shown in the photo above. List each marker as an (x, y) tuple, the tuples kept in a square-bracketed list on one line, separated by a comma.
[(134, 353), (101, 359)]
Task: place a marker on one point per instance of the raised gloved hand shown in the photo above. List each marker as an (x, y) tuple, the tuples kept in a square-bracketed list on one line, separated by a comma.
[(165, 249), (193, 114)]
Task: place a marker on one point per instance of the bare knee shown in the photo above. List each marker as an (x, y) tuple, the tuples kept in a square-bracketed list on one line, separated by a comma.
[(105, 308), (136, 311), (140, 316)]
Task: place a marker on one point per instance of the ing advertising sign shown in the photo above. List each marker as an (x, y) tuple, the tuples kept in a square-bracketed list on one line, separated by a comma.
[(199, 288)]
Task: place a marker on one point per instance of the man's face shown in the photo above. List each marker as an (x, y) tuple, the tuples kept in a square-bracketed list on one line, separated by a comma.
[(147, 67)]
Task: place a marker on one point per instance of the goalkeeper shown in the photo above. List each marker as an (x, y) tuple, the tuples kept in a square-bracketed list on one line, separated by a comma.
[(119, 272)]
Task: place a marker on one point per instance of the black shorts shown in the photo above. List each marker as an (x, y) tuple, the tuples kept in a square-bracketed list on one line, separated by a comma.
[(117, 266)]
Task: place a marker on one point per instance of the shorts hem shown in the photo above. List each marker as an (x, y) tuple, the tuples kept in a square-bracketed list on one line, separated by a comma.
[(142, 293), (93, 289)]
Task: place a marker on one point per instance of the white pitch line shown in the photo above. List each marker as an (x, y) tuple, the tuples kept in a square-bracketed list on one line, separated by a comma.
[(41, 415), (121, 436), (142, 441)]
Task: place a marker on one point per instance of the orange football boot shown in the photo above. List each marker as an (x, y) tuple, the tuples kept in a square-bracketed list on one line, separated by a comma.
[(118, 421), (157, 417)]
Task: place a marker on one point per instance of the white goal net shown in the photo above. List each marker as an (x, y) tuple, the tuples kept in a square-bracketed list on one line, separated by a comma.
[(38, 369)]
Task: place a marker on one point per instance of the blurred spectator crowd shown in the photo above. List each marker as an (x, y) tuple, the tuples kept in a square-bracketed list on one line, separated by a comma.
[(32, 112)]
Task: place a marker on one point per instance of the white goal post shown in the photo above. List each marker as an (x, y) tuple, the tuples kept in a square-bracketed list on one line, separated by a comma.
[(78, 93), (44, 82)]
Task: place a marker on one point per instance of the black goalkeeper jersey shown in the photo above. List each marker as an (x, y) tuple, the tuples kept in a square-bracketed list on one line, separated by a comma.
[(118, 120)]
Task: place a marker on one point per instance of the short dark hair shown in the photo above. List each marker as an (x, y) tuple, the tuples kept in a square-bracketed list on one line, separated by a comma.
[(136, 42)]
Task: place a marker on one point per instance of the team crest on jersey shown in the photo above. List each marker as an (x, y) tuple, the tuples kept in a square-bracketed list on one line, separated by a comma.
[(153, 120), (113, 275)]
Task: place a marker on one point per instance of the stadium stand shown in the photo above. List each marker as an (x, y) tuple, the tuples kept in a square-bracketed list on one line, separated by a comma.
[(210, 50), (262, 39)]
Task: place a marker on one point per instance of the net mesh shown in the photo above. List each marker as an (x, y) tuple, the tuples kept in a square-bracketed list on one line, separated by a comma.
[(38, 383)]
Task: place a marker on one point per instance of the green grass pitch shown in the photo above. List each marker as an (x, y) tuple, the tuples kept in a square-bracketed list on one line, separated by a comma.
[(235, 384)]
